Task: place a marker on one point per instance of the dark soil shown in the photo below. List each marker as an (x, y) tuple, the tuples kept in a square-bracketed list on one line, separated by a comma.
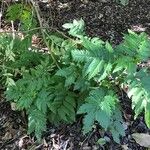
[(109, 21)]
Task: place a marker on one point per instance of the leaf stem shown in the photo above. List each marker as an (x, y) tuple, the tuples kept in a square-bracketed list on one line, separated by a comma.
[(36, 7)]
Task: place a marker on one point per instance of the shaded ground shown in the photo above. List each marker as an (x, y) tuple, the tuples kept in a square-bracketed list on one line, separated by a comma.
[(104, 19), (107, 20), (13, 134)]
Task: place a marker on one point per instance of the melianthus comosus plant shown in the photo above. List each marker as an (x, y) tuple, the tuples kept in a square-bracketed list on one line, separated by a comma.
[(86, 82)]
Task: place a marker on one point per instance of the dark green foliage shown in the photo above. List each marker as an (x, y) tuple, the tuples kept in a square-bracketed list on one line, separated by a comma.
[(37, 93), (84, 80), (102, 106), (15, 56), (102, 63)]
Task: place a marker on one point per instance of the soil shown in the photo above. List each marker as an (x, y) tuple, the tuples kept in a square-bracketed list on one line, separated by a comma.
[(107, 20), (103, 18)]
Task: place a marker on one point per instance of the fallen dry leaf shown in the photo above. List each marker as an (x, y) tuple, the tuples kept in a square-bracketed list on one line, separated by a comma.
[(7, 136), (13, 106), (125, 147), (142, 139)]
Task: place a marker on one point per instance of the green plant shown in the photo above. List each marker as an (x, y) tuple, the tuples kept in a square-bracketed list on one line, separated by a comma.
[(102, 106), (86, 82), (16, 58), (43, 97), (109, 68), (23, 13)]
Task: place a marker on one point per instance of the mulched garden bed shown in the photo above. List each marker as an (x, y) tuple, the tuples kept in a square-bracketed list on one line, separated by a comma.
[(104, 19)]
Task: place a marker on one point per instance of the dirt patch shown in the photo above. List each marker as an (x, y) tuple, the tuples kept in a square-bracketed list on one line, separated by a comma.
[(107, 20)]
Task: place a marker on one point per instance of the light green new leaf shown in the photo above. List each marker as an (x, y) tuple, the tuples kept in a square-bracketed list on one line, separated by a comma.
[(80, 55), (109, 47), (107, 70), (94, 68), (67, 25), (147, 115)]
